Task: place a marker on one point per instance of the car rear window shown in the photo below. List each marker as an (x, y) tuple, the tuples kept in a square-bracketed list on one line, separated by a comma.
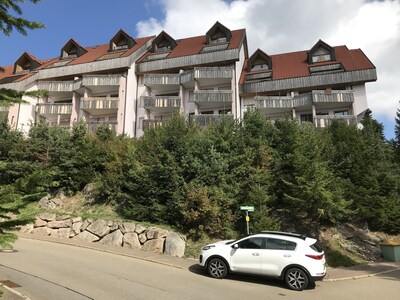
[(316, 247), (279, 244)]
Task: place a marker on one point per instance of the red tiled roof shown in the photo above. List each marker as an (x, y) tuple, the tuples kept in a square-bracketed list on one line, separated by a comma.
[(194, 45), (295, 64)]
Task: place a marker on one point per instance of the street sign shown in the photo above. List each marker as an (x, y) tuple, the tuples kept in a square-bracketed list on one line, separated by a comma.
[(248, 208)]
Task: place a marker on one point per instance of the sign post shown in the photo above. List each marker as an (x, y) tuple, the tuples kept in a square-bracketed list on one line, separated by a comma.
[(247, 209)]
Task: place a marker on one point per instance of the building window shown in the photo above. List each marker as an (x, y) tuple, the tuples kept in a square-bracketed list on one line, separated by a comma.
[(306, 118), (342, 113), (217, 40), (164, 46), (321, 55), (259, 67)]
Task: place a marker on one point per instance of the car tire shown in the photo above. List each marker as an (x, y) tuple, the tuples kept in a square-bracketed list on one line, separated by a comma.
[(217, 268), (296, 279)]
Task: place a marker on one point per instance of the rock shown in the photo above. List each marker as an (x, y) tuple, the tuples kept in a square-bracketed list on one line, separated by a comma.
[(89, 193), (113, 225), (76, 220), (60, 224), (76, 227), (142, 238), (62, 218), (99, 228), (64, 233), (113, 239), (131, 240), (174, 245), (41, 231), (26, 228), (39, 222), (129, 227), (155, 245), (86, 223), (139, 229), (155, 233), (86, 236), (47, 217)]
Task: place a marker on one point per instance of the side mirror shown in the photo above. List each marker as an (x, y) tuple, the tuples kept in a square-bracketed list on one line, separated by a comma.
[(235, 246)]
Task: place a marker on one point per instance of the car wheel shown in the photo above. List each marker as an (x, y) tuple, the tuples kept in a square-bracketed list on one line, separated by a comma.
[(217, 268), (296, 279)]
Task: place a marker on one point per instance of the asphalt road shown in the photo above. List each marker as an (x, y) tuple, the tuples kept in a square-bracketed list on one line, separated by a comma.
[(54, 271)]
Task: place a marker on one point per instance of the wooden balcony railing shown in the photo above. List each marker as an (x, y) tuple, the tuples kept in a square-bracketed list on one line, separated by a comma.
[(302, 100), (54, 109), (273, 101), (94, 125), (326, 120), (212, 96), (59, 86), (333, 96), (213, 73), (100, 103), (93, 80), (206, 120), (161, 79), (152, 123), (161, 101)]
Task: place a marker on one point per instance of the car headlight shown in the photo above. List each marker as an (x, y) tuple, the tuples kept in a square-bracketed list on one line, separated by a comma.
[(208, 247)]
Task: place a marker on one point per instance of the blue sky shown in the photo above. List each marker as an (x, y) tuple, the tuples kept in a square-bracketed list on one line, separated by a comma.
[(275, 26)]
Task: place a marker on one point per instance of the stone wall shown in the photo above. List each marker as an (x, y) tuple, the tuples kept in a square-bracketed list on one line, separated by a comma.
[(115, 233)]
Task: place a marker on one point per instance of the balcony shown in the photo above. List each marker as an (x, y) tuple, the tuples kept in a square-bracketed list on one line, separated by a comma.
[(100, 105), (161, 103), (284, 102), (213, 73), (58, 86), (152, 123), (322, 121), (206, 120), (329, 96), (162, 81), (94, 125), (207, 76), (303, 100), (53, 109), (101, 80), (213, 99)]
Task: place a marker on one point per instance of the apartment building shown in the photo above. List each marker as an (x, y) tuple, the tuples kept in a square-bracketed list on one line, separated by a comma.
[(131, 84)]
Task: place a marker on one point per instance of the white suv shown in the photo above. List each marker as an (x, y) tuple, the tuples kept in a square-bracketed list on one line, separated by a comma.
[(291, 257)]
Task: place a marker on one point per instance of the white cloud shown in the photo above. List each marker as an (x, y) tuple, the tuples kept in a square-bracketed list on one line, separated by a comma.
[(278, 26)]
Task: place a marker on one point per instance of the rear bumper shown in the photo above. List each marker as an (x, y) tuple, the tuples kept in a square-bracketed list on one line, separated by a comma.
[(318, 278)]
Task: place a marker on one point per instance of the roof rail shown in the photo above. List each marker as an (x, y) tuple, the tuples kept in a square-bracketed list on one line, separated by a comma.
[(291, 234)]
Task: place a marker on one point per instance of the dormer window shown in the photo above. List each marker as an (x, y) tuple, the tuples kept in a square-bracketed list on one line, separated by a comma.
[(259, 61), (121, 41), (218, 34), (26, 63), (321, 52), (72, 50), (163, 42)]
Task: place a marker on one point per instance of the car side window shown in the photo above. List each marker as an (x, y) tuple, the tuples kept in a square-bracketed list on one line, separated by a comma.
[(252, 243), (278, 244)]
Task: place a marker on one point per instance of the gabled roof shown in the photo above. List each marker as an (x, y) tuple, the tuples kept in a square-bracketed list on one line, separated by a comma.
[(318, 45), (72, 45), (119, 39), (257, 56), (217, 29), (26, 59), (163, 37)]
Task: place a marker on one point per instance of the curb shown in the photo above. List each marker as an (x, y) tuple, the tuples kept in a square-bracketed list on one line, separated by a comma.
[(360, 276), (18, 294)]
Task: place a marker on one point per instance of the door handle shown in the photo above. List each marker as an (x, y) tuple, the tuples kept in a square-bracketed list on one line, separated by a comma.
[(255, 254), (287, 255)]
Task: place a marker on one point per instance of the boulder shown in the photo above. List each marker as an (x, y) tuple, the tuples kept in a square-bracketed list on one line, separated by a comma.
[(62, 218), (155, 245), (39, 222), (26, 228), (60, 224), (129, 227), (99, 228), (86, 223), (113, 239), (174, 245), (142, 238), (64, 233), (47, 217), (76, 227), (131, 240), (41, 231), (155, 233), (86, 236), (139, 229), (76, 220), (89, 192)]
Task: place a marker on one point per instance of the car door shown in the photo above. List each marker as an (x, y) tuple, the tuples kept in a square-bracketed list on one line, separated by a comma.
[(246, 255), (277, 255)]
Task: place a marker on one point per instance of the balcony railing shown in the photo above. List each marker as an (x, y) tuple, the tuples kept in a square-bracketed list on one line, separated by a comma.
[(161, 101), (273, 102), (186, 76), (92, 80), (326, 120), (100, 103), (333, 96), (94, 125), (303, 100), (54, 109), (59, 86), (213, 73), (63, 124), (151, 123), (161, 79), (212, 96), (206, 120)]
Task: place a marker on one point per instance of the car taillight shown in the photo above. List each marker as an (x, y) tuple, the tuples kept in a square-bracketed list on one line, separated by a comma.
[(316, 257)]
